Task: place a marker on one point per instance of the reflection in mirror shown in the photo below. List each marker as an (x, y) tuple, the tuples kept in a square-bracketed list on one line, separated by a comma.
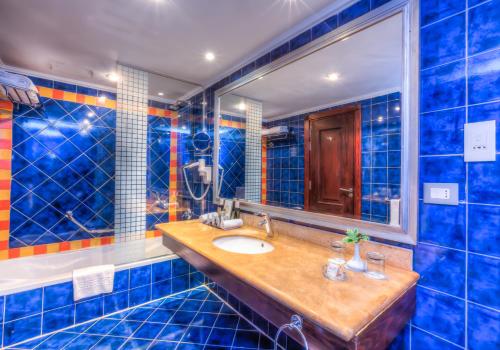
[(323, 133)]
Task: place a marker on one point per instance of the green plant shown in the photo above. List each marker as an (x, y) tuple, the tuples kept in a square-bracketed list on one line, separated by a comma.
[(354, 236)]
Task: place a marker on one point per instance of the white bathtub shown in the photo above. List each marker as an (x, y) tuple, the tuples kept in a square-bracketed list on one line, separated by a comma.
[(21, 274)]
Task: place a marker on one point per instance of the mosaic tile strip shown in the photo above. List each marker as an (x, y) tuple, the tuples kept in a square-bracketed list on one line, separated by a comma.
[(263, 193), (131, 153), (253, 148)]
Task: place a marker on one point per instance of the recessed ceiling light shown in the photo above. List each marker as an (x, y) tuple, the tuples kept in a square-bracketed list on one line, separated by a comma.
[(333, 76), (113, 77), (101, 99), (209, 56), (241, 106), (161, 94)]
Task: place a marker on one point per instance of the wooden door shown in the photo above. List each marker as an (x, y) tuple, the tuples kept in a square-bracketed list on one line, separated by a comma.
[(332, 171)]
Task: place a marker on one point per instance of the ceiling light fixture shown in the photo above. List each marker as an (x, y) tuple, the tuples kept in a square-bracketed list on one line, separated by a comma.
[(241, 106), (346, 38), (209, 56), (332, 76), (113, 77), (161, 94)]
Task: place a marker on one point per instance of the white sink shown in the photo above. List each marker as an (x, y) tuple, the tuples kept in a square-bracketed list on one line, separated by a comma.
[(243, 245)]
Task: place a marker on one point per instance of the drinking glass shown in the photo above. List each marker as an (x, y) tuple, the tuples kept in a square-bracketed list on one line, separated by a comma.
[(375, 265)]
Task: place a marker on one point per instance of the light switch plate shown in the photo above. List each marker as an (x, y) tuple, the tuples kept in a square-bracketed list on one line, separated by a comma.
[(480, 141), (441, 193)]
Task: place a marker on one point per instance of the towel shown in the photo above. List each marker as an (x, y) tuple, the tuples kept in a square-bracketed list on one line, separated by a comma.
[(231, 224), (91, 281)]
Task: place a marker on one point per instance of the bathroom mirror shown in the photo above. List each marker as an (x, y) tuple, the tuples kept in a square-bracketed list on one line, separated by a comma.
[(324, 136)]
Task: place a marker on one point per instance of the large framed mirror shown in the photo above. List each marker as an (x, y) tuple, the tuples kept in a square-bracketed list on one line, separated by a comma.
[(328, 135)]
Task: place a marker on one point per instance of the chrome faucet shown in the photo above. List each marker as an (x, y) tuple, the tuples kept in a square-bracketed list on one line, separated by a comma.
[(266, 222)]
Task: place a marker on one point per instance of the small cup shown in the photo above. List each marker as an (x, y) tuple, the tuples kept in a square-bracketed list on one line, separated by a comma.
[(375, 266), (338, 255)]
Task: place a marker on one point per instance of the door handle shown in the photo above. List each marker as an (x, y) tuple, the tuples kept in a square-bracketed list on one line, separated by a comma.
[(347, 190)]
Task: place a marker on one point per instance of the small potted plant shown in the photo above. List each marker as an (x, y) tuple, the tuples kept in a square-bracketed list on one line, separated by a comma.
[(354, 236)]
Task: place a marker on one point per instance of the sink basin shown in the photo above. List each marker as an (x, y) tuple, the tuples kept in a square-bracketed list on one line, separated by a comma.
[(243, 245)]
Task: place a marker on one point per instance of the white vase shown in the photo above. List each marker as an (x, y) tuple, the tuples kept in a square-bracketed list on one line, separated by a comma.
[(356, 263)]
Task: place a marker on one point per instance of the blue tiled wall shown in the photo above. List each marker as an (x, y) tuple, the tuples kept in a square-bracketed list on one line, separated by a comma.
[(458, 247), (44, 310), (458, 250), (158, 165), (63, 159), (232, 158), (381, 159)]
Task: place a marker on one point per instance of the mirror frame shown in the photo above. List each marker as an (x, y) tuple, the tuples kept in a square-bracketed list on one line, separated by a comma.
[(407, 231)]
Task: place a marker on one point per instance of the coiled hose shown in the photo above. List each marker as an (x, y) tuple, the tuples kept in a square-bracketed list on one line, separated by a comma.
[(295, 323)]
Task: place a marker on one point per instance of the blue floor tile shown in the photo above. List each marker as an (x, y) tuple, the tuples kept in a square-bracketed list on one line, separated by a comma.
[(193, 320)]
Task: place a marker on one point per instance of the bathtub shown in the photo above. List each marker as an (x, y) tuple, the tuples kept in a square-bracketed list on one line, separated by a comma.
[(32, 272)]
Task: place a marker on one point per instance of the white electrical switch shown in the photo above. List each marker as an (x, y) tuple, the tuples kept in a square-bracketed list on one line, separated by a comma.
[(441, 193), (480, 141)]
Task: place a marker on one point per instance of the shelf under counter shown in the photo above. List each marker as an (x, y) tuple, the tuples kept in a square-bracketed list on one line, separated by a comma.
[(359, 313)]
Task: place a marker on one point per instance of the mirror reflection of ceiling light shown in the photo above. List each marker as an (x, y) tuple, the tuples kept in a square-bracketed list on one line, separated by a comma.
[(397, 108), (332, 76), (90, 114), (346, 38), (101, 99), (260, 78), (380, 119), (113, 77), (241, 106), (161, 94), (209, 56)]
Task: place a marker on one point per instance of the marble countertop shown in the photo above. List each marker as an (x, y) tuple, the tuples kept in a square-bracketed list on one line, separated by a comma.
[(292, 274)]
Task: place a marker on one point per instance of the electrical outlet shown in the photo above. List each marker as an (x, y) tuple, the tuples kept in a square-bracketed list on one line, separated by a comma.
[(480, 141)]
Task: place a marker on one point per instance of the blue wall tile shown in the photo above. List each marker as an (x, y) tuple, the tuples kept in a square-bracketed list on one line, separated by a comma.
[(484, 232), (354, 11), (115, 301), (58, 295), (442, 87), (140, 276), (484, 182), (442, 132), (441, 269), (58, 319), (443, 42), (89, 309), (482, 283), (19, 330), (162, 271), (324, 27), (442, 225), (431, 11), (23, 304), (179, 267), (121, 280), (441, 315), (483, 328), (139, 295), (484, 27), (484, 77)]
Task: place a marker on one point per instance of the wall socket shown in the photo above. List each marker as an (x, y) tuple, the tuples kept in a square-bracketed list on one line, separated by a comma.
[(441, 193), (480, 141)]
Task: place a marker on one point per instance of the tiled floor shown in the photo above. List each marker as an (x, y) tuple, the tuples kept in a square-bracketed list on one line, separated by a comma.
[(196, 319)]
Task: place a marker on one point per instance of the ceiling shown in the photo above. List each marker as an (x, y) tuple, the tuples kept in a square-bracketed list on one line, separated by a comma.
[(369, 63), (84, 39)]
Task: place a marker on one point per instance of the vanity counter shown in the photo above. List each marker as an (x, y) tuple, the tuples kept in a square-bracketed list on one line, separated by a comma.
[(292, 275)]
